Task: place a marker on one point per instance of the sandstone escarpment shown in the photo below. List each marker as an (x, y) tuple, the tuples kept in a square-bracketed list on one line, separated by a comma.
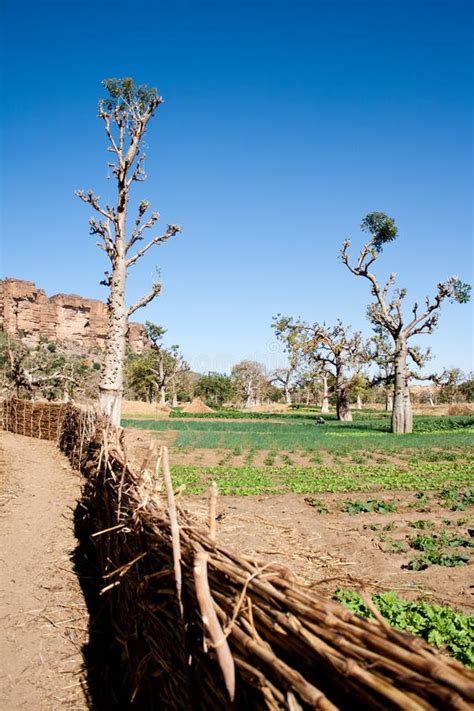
[(26, 312)]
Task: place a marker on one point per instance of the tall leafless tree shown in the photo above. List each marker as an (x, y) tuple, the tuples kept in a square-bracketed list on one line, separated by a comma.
[(250, 380), (334, 347), (126, 113), (387, 309)]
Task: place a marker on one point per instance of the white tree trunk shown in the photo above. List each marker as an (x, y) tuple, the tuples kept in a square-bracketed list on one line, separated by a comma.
[(162, 383), (402, 417), (287, 395), (359, 402), (343, 410), (325, 403), (111, 384), (388, 401)]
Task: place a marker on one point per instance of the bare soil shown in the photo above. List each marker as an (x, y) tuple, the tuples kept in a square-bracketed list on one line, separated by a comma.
[(333, 549), (43, 615), (337, 550)]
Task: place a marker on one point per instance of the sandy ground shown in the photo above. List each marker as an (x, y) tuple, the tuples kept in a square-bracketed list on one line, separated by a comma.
[(337, 550), (43, 616)]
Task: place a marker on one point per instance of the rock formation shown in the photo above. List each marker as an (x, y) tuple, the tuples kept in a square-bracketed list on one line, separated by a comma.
[(26, 312)]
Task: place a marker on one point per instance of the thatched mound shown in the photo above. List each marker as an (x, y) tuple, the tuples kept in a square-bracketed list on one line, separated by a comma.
[(151, 409), (197, 406)]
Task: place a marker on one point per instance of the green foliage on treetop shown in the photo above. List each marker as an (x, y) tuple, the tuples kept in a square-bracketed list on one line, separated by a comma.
[(382, 228), (154, 332), (127, 97), (460, 291)]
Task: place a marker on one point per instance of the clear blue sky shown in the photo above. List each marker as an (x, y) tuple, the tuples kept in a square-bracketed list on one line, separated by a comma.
[(284, 124)]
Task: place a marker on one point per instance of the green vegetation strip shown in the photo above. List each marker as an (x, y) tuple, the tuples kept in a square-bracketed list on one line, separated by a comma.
[(303, 433), (248, 480), (440, 626)]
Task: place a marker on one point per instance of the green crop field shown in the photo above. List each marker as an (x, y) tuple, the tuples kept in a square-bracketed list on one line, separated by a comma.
[(247, 480), (302, 432), (360, 456)]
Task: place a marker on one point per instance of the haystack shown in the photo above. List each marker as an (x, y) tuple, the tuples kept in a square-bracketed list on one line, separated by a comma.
[(197, 406)]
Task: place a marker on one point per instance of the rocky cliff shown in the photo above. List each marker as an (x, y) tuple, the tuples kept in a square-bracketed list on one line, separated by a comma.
[(75, 322)]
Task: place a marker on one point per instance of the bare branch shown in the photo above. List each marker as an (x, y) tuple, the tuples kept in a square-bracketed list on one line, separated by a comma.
[(430, 323), (118, 150), (170, 232), (93, 200), (138, 174), (383, 316), (138, 230), (154, 291), (102, 228)]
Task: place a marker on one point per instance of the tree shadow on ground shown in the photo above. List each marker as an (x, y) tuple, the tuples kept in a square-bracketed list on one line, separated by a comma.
[(106, 687)]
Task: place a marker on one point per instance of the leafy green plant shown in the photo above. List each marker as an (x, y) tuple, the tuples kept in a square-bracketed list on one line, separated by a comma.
[(269, 460), (250, 456), (453, 522), (421, 523), (435, 557), (371, 506), (441, 626), (433, 553), (317, 504), (456, 499)]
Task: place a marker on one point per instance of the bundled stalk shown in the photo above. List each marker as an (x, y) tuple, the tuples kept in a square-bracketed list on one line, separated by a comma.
[(202, 627)]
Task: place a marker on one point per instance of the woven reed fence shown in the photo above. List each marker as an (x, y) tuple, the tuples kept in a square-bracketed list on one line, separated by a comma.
[(201, 627), (43, 420)]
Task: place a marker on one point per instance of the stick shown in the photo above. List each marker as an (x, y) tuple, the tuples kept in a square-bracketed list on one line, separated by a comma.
[(174, 526), (212, 510), (209, 618)]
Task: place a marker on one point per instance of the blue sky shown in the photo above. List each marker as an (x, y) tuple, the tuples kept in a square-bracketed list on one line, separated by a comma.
[(284, 123)]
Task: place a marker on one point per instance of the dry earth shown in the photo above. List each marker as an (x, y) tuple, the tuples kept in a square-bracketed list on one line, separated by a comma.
[(337, 550), (43, 616), (332, 549)]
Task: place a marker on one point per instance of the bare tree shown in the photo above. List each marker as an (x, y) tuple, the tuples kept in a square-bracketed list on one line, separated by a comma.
[(387, 309), (250, 380), (126, 113), (334, 348)]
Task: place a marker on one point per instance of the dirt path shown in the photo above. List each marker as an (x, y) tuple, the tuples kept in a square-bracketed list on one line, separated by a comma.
[(43, 616)]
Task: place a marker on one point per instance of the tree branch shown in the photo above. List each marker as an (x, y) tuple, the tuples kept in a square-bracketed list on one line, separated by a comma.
[(138, 230), (93, 200), (154, 291), (170, 232), (362, 270)]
